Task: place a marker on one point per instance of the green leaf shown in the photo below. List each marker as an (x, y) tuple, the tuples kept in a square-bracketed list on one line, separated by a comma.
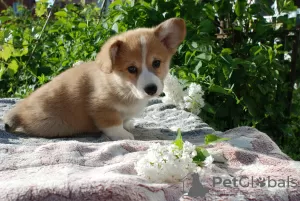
[(41, 8), (2, 36), (204, 56), (256, 50), (82, 25), (4, 19), (226, 71), (277, 46), (210, 138), (238, 28), (251, 105), (61, 13), (194, 45), (254, 9), (178, 141), (202, 154), (240, 7), (2, 70), (270, 52), (115, 27), (42, 79), (182, 74), (188, 56), (199, 65), (262, 89), (209, 11), (207, 26), (218, 89), (209, 108), (13, 67), (226, 51), (6, 52), (286, 6), (227, 58)]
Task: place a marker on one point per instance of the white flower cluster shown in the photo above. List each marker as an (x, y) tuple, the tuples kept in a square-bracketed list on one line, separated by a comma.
[(208, 162), (167, 163), (173, 90), (191, 99), (194, 100), (287, 57)]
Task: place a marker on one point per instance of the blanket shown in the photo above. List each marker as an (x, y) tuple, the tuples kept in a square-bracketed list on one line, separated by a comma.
[(250, 166)]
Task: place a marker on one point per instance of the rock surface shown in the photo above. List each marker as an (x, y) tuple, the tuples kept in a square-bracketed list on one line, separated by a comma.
[(89, 167)]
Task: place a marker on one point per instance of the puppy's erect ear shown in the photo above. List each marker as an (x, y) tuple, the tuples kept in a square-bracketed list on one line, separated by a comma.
[(171, 33), (107, 56)]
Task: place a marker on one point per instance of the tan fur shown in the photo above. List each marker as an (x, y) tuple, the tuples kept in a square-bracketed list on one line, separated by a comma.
[(97, 94)]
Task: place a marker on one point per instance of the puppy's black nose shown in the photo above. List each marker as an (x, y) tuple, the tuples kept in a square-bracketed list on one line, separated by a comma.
[(151, 89)]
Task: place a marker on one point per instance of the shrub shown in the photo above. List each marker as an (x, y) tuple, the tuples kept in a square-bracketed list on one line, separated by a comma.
[(238, 56), (31, 54)]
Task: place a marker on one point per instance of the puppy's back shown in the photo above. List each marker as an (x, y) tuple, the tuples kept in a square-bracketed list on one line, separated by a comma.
[(57, 108)]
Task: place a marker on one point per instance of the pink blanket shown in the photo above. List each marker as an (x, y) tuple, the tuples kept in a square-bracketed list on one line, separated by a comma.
[(72, 170), (95, 169)]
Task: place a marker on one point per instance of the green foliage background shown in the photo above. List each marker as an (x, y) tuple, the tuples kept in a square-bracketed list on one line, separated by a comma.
[(243, 71)]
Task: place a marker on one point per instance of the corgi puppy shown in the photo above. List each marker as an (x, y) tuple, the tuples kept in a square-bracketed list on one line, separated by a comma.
[(102, 95)]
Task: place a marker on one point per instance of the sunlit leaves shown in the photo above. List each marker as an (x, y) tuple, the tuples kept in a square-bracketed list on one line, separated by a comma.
[(211, 138), (178, 141), (30, 57), (2, 70), (61, 13), (41, 7), (7, 51), (285, 6), (13, 67)]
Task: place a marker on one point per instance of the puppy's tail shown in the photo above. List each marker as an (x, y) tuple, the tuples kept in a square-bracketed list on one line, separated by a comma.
[(11, 120)]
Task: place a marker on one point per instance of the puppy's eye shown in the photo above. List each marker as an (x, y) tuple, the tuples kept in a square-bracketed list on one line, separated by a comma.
[(132, 69), (156, 64)]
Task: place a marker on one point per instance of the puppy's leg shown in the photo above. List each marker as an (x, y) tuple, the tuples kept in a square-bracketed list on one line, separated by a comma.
[(111, 123), (128, 124), (117, 133), (48, 127), (12, 119)]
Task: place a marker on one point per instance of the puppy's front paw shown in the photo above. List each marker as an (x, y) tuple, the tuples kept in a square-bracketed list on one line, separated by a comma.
[(128, 124), (118, 133), (122, 136)]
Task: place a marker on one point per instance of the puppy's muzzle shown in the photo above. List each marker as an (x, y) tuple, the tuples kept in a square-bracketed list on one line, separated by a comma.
[(150, 89)]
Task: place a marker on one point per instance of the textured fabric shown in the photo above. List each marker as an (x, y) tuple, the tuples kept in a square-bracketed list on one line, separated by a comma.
[(89, 167), (158, 122)]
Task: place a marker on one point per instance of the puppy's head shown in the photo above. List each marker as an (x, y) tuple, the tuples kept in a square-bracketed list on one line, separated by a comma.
[(140, 58)]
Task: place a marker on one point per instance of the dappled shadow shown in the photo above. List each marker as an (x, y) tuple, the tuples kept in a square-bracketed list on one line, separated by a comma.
[(143, 134), (8, 138), (12, 138)]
